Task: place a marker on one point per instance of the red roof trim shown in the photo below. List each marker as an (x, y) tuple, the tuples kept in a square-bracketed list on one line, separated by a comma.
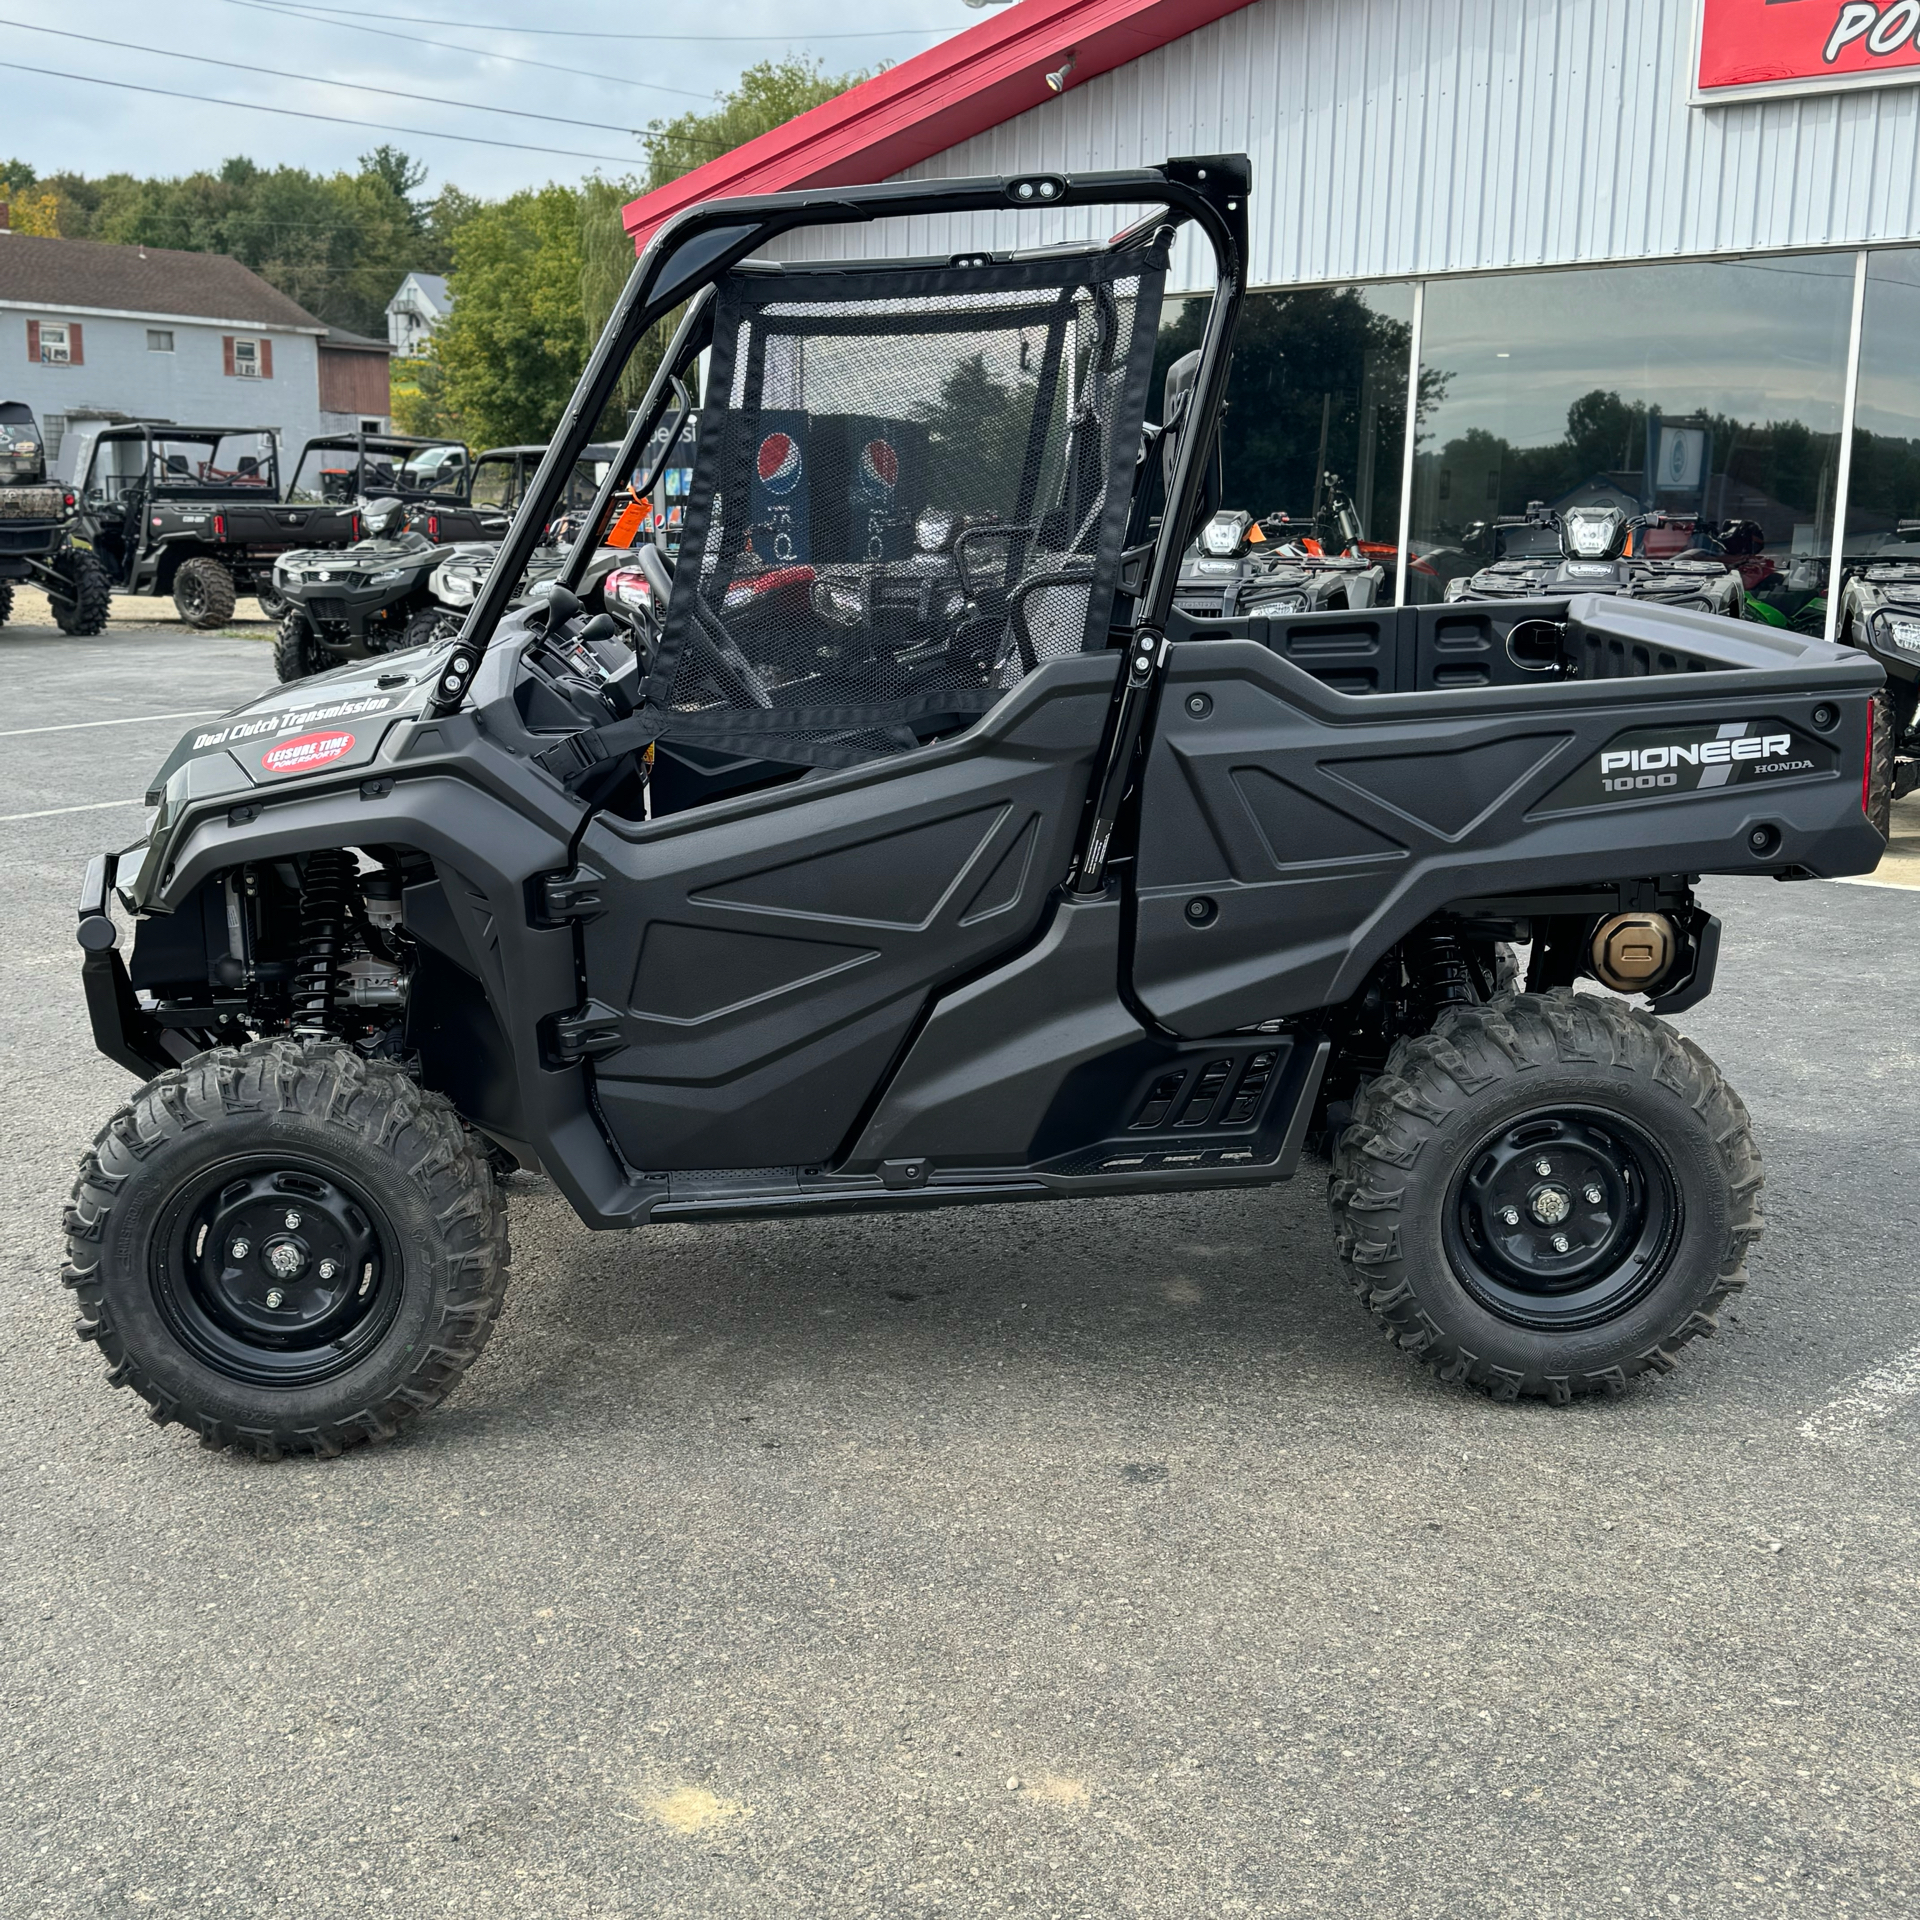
[(976, 80)]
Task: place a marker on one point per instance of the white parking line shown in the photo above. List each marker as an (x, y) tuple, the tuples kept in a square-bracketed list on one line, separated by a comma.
[(92, 806), (1872, 1397), (131, 720)]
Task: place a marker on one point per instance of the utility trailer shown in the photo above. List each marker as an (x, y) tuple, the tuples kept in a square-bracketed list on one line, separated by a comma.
[(1038, 888)]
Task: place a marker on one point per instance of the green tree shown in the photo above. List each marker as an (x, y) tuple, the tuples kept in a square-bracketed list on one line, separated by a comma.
[(509, 356)]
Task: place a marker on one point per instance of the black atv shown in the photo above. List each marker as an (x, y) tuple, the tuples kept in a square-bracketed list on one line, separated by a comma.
[(373, 597), (1545, 554), (39, 538), (1240, 565), (1880, 614), (811, 916), (195, 513)]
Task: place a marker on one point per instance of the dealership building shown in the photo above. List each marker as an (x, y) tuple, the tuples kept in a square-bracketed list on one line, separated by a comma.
[(1665, 252)]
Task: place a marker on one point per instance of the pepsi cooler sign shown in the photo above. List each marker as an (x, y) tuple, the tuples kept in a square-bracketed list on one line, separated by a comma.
[(835, 488)]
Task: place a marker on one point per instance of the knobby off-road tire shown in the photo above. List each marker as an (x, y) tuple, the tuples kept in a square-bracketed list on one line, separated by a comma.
[(203, 592), (6, 601), (1447, 1143), (297, 653), (286, 1248), (427, 627), (1879, 789), (84, 607), (273, 604)]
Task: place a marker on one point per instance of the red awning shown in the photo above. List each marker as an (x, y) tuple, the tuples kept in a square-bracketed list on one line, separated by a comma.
[(976, 80)]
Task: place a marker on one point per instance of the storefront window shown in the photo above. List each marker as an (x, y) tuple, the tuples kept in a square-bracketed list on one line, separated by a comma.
[(1884, 488), (1316, 407), (1710, 391)]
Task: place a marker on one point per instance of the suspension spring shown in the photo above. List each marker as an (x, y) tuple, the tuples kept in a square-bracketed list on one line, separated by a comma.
[(323, 931), (1441, 973)]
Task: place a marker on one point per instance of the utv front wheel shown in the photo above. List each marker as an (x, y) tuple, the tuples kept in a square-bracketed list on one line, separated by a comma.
[(273, 604), (84, 606), (203, 592), (297, 652), (286, 1248), (1546, 1195)]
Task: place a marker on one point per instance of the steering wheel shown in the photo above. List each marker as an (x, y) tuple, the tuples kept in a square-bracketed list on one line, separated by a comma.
[(717, 647)]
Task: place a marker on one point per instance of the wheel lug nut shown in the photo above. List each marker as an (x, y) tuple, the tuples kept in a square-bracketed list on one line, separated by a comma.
[(1543, 1168), (293, 1220), (274, 1297), (1511, 1215), (328, 1268), (1594, 1196), (1559, 1243), (240, 1249)]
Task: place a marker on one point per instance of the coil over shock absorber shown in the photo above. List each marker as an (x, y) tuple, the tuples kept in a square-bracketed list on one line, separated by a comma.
[(1440, 972), (323, 932)]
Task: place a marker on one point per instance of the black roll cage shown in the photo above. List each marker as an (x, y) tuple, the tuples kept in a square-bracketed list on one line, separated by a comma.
[(147, 431), (688, 256)]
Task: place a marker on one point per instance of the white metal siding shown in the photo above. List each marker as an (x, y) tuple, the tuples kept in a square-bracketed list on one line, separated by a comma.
[(1402, 137), (189, 385)]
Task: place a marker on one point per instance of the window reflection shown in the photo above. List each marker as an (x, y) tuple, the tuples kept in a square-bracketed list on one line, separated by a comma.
[(1710, 391), (1884, 487), (1316, 408)]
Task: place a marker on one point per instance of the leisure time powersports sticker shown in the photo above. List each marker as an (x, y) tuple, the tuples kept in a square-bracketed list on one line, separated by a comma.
[(1652, 761)]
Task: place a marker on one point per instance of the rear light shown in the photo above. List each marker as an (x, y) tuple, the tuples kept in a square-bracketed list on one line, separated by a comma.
[(1866, 772), (219, 526), (71, 499), (433, 528), (353, 526), (628, 585)]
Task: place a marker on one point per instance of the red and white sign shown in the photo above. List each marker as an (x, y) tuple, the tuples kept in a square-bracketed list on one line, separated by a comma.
[(306, 751), (1758, 47)]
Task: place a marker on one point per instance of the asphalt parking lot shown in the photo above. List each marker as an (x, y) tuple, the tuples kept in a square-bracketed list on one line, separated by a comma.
[(1091, 1560)]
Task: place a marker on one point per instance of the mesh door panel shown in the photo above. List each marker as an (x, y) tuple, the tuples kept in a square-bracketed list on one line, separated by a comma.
[(911, 490)]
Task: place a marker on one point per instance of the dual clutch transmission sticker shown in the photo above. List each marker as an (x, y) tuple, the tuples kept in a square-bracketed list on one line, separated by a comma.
[(1653, 761)]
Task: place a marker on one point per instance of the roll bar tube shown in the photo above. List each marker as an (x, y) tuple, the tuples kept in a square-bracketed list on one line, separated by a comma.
[(697, 247)]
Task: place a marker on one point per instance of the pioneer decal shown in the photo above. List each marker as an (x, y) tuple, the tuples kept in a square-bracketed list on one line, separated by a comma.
[(309, 751), (1656, 761)]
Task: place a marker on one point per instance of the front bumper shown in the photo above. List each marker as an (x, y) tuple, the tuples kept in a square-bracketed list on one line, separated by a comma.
[(122, 1029)]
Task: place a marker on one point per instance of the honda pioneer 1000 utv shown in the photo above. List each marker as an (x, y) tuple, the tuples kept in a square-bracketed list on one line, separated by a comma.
[(1040, 889)]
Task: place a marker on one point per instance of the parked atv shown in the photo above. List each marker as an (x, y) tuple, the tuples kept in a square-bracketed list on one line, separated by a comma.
[(1880, 614), (194, 512), (1589, 551), (39, 540), (1240, 565), (456, 581), (373, 597), (828, 914)]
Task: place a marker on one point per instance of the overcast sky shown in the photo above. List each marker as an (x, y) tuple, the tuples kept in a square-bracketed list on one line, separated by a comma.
[(603, 92)]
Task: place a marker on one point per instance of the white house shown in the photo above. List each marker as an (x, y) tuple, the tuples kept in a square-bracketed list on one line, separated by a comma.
[(414, 313), (154, 333)]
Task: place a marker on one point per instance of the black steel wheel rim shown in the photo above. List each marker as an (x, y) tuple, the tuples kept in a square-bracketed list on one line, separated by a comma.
[(276, 1271), (1563, 1218), (191, 595)]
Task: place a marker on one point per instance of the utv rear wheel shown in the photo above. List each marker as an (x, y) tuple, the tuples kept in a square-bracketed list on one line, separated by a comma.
[(203, 592), (297, 653), (88, 599), (287, 1248), (1546, 1195), (6, 601), (1880, 757)]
